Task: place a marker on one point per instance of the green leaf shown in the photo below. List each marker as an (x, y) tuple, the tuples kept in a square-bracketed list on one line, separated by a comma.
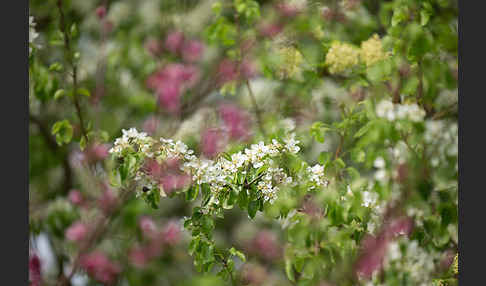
[(59, 94), (82, 143), (63, 132), (289, 270), (84, 91), (240, 254), (253, 206), (192, 193)]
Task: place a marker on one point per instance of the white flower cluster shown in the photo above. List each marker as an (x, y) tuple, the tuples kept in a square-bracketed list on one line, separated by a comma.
[(419, 263), (443, 136), (317, 176), (32, 33), (386, 109), (381, 174), (134, 141), (217, 173)]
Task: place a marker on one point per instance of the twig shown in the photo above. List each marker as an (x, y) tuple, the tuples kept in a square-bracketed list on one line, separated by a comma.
[(73, 65)]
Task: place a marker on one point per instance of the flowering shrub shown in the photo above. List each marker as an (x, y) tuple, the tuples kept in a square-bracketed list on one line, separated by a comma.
[(243, 142)]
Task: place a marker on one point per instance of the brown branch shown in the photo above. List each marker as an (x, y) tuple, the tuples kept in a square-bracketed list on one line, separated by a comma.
[(69, 57)]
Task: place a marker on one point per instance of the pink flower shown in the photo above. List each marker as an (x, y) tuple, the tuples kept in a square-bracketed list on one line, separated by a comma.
[(400, 226), (101, 12), (76, 232), (96, 152), (107, 200), (373, 254), (168, 174), (192, 50), (247, 69), (374, 248), (212, 142), (227, 71), (153, 47), (35, 275), (174, 41), (139, 256), (287, 10), (75, 197), (171, 233), (170, 82), (147, 226), (100, 267), (270, 30), (236, 121), (265, 243)]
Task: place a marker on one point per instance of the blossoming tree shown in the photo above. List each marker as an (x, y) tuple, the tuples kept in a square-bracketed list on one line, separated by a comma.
[(243, 142)]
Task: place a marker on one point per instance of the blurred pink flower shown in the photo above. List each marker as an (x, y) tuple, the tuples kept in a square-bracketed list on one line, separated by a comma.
[(270, 30), (153, 47), (35, 275), (212, 142), (167, 174), (107, 200), (96, 152), (100, 267), (77, 232), (171, 233), (101, 12), (150, 125), (138, 256), (169, 83), (265, 244), (192, 50), (75, 197), (174, 41), (227, 71), (287, 10), (374, 248), (236, 121), (148, 227)]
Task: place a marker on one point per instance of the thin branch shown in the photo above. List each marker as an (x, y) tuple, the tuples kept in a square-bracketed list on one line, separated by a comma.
[(69, 57)]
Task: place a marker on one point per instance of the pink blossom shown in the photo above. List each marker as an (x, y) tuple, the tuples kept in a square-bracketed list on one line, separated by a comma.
[(107, 200), (150, 125), (174, 41), (96, 152), (101, 12), (147, 226), (270, 30), (35, 275), (168, 174), (374, 248), (139, 256), (170, 82), (287, 10), (100, 267), (171, 233), (236, 121), (75, 197), (373, 254), (76, 232), (212, 142), (227, 71), (192, 50), (153, 47), (247, 69), (266, 244)]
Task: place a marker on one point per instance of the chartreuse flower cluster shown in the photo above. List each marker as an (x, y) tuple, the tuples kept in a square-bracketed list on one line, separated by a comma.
[(249, 178), (344, 56)]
